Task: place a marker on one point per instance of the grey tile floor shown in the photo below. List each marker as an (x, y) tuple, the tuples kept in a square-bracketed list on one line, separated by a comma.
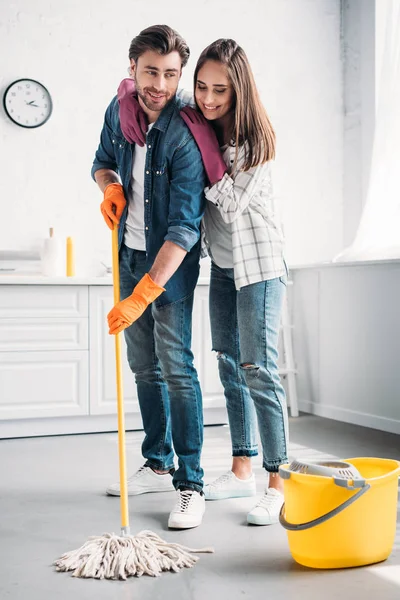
[(52, 499)]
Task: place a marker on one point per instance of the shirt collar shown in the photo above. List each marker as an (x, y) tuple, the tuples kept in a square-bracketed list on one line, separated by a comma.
[(165, 116)]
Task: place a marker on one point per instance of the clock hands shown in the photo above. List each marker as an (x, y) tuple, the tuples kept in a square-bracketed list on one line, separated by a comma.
[(31, 103)]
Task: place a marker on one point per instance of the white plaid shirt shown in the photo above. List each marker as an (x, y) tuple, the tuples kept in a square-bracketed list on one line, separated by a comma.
[(246, 201)]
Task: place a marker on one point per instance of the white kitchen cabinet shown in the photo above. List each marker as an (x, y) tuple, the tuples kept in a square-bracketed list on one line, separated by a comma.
[(43, 384), (57, 361), (44, 352), (43, 301), (32, 335)]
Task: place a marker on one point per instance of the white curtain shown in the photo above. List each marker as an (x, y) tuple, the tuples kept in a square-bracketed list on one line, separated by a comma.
[(378, 235)]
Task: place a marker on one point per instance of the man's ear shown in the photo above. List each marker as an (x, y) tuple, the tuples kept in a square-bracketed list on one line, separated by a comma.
[(132, 67)]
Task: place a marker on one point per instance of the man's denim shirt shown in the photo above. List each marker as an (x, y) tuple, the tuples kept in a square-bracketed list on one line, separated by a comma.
[(174, 184)]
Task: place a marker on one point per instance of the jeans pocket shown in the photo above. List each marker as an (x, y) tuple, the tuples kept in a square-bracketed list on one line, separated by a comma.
[(286, 268), (283, 279)]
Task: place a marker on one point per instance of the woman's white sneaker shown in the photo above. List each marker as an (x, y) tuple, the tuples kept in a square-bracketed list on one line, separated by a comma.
[(266, 511), (144, 481), (230, 486), (188, 511)]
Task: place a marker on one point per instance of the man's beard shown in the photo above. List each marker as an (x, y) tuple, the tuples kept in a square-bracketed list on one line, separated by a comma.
[(145, 98)]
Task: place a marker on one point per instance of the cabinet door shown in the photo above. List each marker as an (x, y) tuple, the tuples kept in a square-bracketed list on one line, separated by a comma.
[(32, 301), (103, 396), (31, 335), (43, 384)]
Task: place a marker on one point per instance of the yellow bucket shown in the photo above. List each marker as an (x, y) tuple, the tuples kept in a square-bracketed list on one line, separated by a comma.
[(333, 524)]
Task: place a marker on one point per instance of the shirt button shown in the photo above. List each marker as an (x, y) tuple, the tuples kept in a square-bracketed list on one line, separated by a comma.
[(157, 172), (147, 172), (147, 228), (149, 146), (147, 200)]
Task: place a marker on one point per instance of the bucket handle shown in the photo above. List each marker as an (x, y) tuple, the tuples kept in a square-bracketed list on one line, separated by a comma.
[(324, 518)]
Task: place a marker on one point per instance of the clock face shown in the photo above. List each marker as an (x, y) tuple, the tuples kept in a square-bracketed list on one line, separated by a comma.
[(27, 103)]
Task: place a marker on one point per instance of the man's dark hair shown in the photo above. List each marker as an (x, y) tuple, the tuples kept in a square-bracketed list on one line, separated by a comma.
[(161, 39)]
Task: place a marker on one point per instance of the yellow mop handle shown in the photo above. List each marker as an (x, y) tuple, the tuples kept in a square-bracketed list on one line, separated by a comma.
[(120, 396)]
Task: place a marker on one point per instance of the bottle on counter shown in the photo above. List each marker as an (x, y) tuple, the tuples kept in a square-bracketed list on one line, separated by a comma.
[(70, 257), (52, 259)]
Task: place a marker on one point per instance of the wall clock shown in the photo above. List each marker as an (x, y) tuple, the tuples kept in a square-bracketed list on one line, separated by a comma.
[(27, 103)]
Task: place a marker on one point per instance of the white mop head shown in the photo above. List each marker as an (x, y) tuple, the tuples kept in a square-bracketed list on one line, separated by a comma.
[(113, 557)]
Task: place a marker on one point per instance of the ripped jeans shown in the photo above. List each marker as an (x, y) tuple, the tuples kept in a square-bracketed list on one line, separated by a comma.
[(244, 328)]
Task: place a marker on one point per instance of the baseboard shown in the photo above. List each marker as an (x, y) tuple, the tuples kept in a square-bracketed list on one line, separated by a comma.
[(19, 428), (351, 416)]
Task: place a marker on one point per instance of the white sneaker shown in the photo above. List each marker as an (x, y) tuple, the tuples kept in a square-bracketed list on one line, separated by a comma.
[(266, 511), (144, 481), (230, 486), (188, 511)]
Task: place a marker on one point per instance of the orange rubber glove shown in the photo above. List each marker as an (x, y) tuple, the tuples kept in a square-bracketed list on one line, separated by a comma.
[(113, 197), (129, 310)]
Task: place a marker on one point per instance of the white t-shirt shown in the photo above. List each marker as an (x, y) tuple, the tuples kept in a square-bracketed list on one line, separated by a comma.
[(134, 226), (219, 237)]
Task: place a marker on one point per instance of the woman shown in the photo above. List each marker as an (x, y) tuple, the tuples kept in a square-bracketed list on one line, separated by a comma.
[(248, 271)]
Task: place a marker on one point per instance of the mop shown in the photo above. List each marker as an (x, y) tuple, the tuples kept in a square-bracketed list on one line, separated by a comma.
[(117, 557)]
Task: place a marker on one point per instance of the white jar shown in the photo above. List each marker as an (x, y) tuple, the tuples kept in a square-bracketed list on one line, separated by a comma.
[(53, 256)]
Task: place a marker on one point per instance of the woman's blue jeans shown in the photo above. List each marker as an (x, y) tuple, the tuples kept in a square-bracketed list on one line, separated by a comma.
[(245, 329), (160, 356)]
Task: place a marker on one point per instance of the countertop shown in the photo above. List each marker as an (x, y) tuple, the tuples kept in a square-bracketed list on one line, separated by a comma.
[(37, 279), (352, 263)]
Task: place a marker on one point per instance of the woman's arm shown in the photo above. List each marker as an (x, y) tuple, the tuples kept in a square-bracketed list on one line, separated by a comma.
[(233, 193)]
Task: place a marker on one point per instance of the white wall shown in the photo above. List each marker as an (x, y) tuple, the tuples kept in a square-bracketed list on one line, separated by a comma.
[(382, 8), (347, 342), (359, 77), (79, 51)]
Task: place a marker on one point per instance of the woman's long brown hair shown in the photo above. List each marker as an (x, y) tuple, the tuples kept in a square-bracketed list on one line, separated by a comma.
[(251, 127)]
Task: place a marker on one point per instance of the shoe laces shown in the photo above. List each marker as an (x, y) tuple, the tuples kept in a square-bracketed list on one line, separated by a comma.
[(185, 498), (143, 469), (270, 500), (221, 480)]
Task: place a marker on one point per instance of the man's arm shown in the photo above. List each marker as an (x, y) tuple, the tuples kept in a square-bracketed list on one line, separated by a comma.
[(104, 177), (167, 261), (105, 173), (148, 289), (105, 156), (186, 206), (186, 211)]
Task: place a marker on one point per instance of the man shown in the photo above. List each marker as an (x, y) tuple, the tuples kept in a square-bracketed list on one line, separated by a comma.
[(155, 193)]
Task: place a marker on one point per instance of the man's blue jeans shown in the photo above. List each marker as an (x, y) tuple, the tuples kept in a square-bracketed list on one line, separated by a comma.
[(245, 328), (160, 356)]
